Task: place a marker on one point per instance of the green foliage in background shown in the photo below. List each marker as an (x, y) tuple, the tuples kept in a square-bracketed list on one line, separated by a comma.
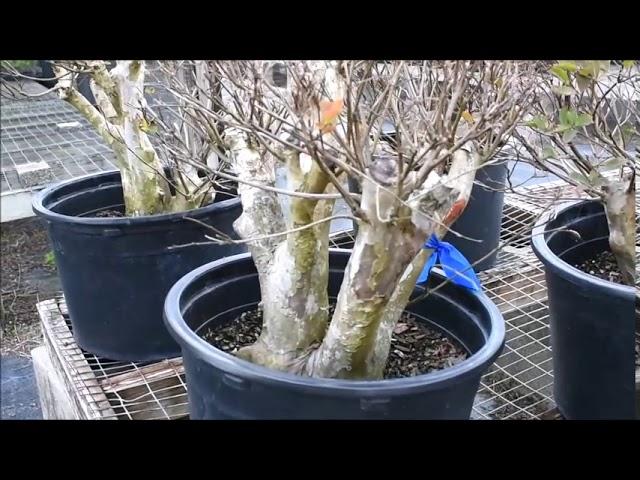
[(20, 65), (50, 260)]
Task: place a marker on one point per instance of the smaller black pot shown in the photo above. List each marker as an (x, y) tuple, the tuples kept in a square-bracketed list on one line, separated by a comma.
[(482, 218), (47, 74), (222, 386), (115, 272), (592, 320)]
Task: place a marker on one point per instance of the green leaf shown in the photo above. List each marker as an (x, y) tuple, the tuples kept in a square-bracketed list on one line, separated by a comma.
[(628, 132), (539, 122), (567, 66), (149, 90), (561, 73), (595, 179), (548, 152), (589, 70), (50, 259), (149, 127), (593, 69), (572, 117), (564, 117), (20, 65), (628, 63), (578, 177), (569, 135), (582, 120), (612, 163)]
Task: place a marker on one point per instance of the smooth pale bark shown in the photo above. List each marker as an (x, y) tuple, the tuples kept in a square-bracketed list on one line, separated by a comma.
[(121, 123), (294, 282), (261, 211), (293, 278), (145, 191)]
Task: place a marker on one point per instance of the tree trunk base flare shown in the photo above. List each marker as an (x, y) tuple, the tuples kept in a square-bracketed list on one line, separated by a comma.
[(291, 362), (620, 210), (379, 279)]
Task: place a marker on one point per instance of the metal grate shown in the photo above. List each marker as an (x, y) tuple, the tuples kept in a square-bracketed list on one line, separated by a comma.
[(519, 384), (108, 389), (47, 129), (52, 132)]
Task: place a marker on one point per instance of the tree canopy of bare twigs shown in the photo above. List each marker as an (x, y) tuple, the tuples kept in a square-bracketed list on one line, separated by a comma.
[(320, 122), (127, 124), (585, 121)]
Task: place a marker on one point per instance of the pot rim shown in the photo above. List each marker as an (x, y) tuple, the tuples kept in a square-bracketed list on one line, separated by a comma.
[(39, 208), (230, 364), (562, 268)]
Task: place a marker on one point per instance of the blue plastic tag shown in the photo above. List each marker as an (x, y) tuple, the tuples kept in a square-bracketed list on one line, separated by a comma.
[(456, 268)]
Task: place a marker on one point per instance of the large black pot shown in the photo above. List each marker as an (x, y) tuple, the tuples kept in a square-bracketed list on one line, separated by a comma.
[(592, 320), (222, 386), (115, 272), (482, 218)]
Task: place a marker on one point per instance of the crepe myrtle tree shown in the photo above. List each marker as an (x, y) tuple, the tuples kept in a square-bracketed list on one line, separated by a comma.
[(321, 121), (126, 123), (584, 127)]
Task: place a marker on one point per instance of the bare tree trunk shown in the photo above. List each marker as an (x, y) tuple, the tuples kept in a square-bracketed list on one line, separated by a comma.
[(293, 268), (145, 190), (620, 210), (382, 271), (294, 284), (461, 176), (411, 189), (121, 123), (378, 280)]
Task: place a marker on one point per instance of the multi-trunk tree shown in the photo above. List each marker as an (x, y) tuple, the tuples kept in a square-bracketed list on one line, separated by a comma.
[(322, 122)]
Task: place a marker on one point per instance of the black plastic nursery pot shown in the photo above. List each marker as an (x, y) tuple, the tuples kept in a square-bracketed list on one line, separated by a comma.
[(83, 81), (592, 320), (482, 218), (222, 386), (116, 271)]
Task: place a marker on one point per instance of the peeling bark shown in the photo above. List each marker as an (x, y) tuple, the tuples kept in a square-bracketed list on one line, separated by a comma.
[(461, 176), (385, 246), (413, 187), (261, 211), (145, 191), (294, 287), (620, 211)]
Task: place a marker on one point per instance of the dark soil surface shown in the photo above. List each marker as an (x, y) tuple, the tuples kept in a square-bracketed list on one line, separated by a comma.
[(603, 266), (28, 277), (415, 348), (109, 214)]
